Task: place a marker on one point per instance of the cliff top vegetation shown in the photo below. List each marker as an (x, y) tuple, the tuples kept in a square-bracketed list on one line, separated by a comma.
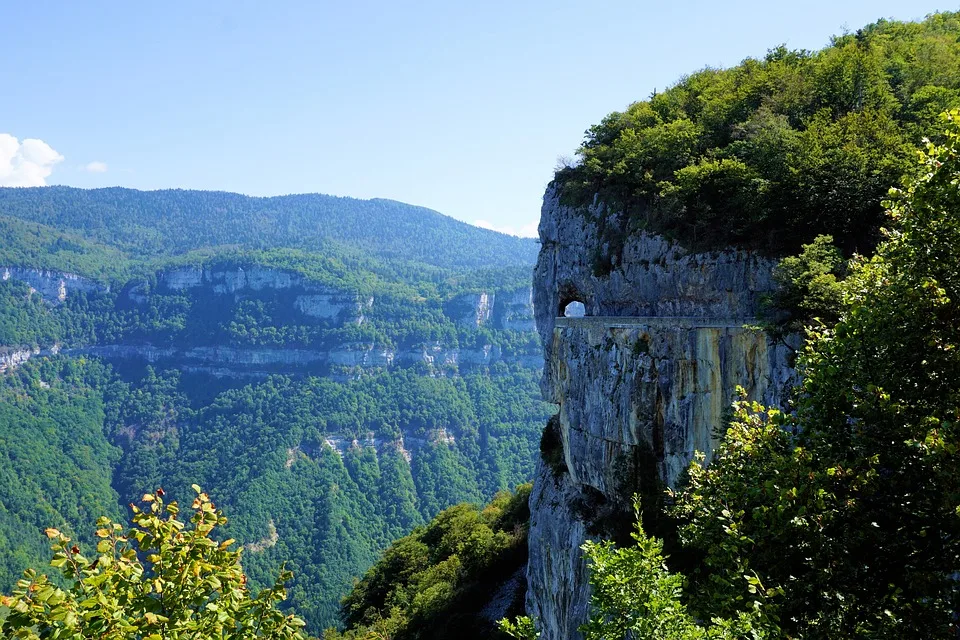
[(366, 246), (437, 581), (775, 151)]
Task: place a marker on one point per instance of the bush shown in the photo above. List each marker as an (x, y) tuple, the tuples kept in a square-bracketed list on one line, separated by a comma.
[(160, 579)]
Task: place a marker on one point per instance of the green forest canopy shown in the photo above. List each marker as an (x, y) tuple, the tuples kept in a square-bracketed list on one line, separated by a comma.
[(173, 222), (434, 583), (76, 442), (773, 152)]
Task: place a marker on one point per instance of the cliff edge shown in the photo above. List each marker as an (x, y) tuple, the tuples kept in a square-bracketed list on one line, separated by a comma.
[(641, 382)]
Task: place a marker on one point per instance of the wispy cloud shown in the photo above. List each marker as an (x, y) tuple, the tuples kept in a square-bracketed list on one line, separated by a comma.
[(528, 230), (95, 167), (27, 163)]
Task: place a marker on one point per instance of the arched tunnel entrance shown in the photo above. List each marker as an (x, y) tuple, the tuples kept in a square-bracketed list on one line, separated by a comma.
[(574, 309), (571, 303)]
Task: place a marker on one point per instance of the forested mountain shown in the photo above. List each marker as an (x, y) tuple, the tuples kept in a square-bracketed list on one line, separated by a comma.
[(171, 222), (319, 474), (333, 372)]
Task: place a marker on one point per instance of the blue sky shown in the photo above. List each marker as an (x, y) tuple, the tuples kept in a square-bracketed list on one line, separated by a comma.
[(461, 107)]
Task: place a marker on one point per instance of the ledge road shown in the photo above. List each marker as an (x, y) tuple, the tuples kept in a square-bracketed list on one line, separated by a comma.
[(628, 322)]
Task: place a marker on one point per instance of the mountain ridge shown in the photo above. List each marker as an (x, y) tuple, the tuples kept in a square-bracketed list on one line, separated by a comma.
[(171, 222)]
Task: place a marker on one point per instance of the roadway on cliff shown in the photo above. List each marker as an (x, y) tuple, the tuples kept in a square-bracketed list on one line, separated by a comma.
[(627, 322)]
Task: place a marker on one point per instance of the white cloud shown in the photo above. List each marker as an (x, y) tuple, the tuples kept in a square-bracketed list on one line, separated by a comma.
[(95, 167), (528, 230), (27, 163)]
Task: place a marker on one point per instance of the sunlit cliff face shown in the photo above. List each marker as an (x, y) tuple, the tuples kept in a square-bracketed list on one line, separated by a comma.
[(652, 382), (641, 383)]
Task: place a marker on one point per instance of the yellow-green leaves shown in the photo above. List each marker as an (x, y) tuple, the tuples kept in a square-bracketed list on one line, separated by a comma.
[(187, 587), (850, 505)]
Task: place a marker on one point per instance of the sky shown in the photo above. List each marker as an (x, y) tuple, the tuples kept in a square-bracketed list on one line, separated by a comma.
[(463, 107)]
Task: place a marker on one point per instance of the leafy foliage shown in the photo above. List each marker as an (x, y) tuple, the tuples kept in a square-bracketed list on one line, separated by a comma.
[(808, 288), (160, 579), (635, 596), (433, 582), (521, 628), (773, 152), (853, 517)]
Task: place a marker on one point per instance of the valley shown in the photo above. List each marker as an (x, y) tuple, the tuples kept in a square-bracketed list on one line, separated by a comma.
[(329, 401), (717, 397)]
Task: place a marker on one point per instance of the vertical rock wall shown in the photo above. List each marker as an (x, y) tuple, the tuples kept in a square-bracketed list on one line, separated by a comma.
[(641, 383), (53, 286)]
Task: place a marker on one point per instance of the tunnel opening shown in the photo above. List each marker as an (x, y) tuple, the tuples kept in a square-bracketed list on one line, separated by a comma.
[(571, 303), (574, 309)]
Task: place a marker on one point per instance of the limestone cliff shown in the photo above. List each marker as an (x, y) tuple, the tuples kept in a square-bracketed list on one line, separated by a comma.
[(511, 310), (258, 362), (53, 286), (301, 300), (13, 357), (641, 382)]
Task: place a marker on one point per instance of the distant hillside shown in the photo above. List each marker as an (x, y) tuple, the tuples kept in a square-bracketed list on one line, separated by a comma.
[(333, 371), (30, 244), (172, 222)]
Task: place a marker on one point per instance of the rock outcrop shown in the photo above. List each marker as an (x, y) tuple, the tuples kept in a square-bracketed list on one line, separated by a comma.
[(309, 298), (511, 310), (13, 357), (514, 310), (53, 286), (471, 309), (256, 362), (641, 382), (406, 444)]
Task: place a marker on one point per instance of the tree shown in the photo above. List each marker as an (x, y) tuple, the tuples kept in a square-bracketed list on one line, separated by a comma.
[(850, 508), (162, 579), (634, 596), (809, 288)]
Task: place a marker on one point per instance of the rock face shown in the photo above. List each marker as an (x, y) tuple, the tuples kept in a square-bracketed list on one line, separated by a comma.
[(509, 309), (54, 286), (512, 310), (11, 358), (641, 382), (407, 445), (472, 309), (259, 362), (310, 298), (296, 294)]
